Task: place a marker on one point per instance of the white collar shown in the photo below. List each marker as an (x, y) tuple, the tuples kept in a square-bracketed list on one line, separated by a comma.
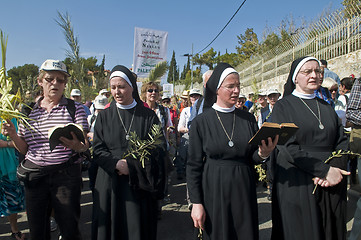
[(130, 106), (223, 110), (303, 95)]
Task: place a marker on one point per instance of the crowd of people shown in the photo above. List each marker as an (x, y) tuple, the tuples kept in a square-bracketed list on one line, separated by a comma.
[(204, 138)]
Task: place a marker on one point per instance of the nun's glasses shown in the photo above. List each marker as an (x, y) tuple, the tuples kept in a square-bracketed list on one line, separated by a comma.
[(308, 72)]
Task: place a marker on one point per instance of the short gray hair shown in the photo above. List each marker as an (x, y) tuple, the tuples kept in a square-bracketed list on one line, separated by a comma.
[(207, 74)]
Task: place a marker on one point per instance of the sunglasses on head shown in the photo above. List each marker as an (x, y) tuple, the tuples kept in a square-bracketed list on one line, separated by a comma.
[(153, 90)]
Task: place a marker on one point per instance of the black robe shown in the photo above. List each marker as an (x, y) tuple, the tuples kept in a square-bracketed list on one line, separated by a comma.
[(297, 213), (125, 207), (222, 177)]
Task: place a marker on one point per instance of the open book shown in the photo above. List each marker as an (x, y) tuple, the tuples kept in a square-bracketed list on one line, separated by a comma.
[(56, 132), (268, 129)]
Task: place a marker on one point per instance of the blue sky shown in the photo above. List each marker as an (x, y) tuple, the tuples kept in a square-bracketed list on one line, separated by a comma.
[(107, 26)]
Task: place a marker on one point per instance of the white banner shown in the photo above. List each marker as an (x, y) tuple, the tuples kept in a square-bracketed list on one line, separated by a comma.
[(168, 89), (150, 48)]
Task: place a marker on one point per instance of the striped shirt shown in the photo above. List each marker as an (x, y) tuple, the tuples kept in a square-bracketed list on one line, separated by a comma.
[(37, 136)]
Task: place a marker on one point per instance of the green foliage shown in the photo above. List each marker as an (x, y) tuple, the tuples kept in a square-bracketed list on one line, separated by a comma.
[(230, 58), (249, 45), (173, 73), (158, 72), (141, 149), (208, 59), (271, 41), (24, 78)]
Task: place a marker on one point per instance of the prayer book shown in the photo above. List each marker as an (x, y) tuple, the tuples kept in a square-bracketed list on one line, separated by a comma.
[(56, 132), (268, 129)]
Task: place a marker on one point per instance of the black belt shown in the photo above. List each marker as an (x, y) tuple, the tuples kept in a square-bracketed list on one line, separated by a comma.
[(310, 148), (231, 162)]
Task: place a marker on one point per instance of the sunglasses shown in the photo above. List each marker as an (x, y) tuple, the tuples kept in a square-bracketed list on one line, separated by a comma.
[(153, 90)]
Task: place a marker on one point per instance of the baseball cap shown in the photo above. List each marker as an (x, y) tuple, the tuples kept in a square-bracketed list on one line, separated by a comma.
[(100, 102), (272, 91), (75, 92), (54, 65), (262, 92), (165, 96), (195, 91), (241, 95), (103, 91)]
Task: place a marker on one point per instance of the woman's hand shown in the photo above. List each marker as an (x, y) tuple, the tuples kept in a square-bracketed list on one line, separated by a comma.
[(265, 150), (8, 129), (122, 167), (74, 144), (334, 177), (198, 215)]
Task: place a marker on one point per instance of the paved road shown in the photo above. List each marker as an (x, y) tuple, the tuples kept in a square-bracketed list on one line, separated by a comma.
[(175, 223)]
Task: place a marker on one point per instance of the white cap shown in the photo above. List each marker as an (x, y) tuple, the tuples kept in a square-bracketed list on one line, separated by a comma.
[(103, 91), (75, 92), (54, 65), (241, 95), (262, 92), (272, 91), (100, 102), (165, 96), (195, 91)]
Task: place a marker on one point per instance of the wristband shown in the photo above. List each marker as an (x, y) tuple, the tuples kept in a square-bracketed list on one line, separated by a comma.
[(8, 143)]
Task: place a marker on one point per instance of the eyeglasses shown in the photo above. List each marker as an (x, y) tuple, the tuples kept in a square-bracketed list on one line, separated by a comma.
[(232, 87), (50, 80), (152, 90), (308, 72)]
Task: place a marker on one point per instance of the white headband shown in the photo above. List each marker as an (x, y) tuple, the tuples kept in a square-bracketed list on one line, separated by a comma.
[(224, 74), (303, 61), (122, 75)]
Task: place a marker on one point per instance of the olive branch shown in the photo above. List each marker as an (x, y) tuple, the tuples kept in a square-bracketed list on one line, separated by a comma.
[(141, 148), (261, 172), (335, 154)]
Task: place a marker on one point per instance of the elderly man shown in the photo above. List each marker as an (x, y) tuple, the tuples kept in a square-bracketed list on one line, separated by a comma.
[(52, 179), (76, 96)]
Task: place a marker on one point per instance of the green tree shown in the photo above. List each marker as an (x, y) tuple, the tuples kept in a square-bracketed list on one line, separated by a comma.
[(272, 40), (173, 73), (24, 78), (102, 81), (230, 58), (186, 69), (248, 45)]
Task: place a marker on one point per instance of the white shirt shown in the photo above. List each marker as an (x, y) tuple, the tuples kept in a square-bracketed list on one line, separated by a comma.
[(184, 118)]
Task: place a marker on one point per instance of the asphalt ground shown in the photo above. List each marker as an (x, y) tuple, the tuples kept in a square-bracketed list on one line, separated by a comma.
[(175, 222)]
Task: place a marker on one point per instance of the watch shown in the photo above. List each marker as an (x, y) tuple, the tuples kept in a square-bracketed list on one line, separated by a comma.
[(8, 143)]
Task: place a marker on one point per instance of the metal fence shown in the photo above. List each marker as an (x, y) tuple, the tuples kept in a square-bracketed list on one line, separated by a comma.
[(330, 37)]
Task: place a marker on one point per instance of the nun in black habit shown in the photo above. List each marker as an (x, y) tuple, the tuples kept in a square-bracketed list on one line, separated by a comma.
[(125, 199), (297, 213), (220, 176)]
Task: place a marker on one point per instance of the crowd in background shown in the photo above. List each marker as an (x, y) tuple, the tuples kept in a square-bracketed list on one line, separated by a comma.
[(326, 98)]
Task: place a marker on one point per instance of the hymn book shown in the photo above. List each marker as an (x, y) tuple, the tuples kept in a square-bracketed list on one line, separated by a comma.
[(56, 132), (268, 129)]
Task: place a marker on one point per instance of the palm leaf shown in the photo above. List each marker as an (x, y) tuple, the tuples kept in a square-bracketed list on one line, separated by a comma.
[(158, 72)]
